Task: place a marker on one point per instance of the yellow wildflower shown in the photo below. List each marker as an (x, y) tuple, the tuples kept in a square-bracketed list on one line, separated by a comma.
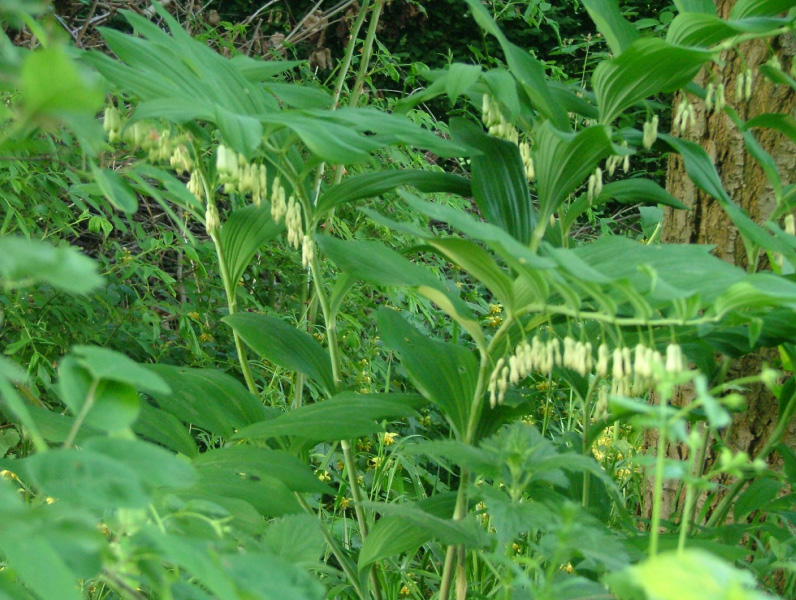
[(389, 438), (194, 315), (405, 591), (205, 337), (376, 462), (494, 321), (8, 475), (425, 421), (323, 476), (495, 309), (345, 503), (363, 445), (569, 568)]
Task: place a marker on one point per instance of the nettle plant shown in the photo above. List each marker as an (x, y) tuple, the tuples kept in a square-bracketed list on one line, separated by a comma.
[(613, 322)]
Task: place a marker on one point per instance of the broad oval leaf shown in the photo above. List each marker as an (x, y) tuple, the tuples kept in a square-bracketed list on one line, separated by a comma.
[(115, 189), (284, 345), (374, 184), (208, 399), (445, 374), (499, 185), (345, 416), (648, 67), (244, 232)]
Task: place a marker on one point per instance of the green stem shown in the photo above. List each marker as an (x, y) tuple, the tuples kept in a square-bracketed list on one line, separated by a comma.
[(341, 77), (345, 562), (81, 416), (229, 286), (657, 493), (724, 506), (348, 454)]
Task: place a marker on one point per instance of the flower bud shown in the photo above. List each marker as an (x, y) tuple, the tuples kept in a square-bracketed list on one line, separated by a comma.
[(212, 221)]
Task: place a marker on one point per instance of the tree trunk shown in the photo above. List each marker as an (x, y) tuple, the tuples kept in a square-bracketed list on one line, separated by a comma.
[(707, 223)]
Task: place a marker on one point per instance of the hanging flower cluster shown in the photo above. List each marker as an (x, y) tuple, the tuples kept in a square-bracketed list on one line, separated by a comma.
[(650, 132), (500, 128), (613, 161), (630, 371), (290, 211), (239, 175), (714, 98), (595, 187), (684, 116), (496, 123)]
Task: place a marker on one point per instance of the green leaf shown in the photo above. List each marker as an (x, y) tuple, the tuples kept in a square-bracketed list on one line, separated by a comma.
[(516, 254), (38, 565), (265, 577), (296, 538), (115, 189), (53, 86), (377, 264), (498, 180), (759, 8), (259, 462), (171, 472), (450, 384), (85, 478), (528, 71), (284, 345), (375, 184), (108, 405), (707, 7), (692, 574), (783, 123), (166, 429), (393, 535), (343, 417), (208, 399), (703, 173), (564, 160), (241, 132), (703, 30), (268, 495), (468, 531), (650, 66), (244, 233), (619, 33), (102, 363), (627, 191), (461, 77), (24, 262), (476, 261)]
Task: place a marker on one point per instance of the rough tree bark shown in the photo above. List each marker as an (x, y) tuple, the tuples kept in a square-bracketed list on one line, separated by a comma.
[(706, 222)]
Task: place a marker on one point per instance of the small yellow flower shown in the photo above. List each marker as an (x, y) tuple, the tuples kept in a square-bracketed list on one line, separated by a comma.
[(345, 503), (389, 438), (363, 445), (376, 462), (8, 475), (425, 421), (360, 480), (50, 500), (528, 420), (205, 337), (569, 568), (459, 285), (543, 386), (340, 465), (194, 315), (494, 321), (495, 309), (516, 547), (405, 591), (323, 476), (319, 335)]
